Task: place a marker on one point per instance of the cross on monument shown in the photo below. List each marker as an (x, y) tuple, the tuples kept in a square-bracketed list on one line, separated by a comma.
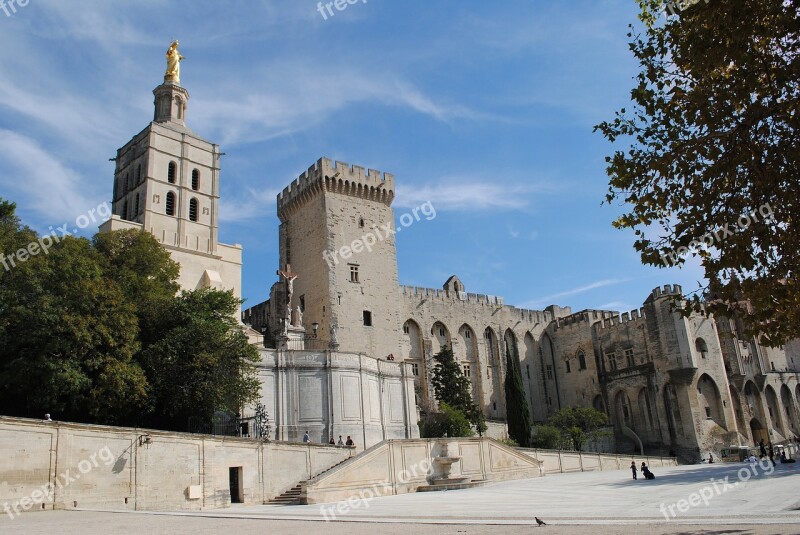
[(289, 277)]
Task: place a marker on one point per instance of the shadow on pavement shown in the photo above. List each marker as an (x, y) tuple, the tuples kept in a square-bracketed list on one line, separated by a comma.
[(704, 473)]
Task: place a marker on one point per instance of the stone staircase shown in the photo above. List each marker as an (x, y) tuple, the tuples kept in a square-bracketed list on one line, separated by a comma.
[(292, 496)]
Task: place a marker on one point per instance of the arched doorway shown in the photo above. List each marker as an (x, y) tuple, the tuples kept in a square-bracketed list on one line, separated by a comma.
[(758, 432)]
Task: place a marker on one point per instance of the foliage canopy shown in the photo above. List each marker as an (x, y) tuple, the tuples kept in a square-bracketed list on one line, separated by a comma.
[(93, 331), (710, 154)]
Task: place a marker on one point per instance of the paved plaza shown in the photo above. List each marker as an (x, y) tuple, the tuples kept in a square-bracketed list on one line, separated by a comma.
[(569, 503)]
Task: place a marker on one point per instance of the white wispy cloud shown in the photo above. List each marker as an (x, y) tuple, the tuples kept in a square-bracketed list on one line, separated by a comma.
[(286, 97), (551, 299), (615, 305), (37, 181), (472, 194), (253, 205)]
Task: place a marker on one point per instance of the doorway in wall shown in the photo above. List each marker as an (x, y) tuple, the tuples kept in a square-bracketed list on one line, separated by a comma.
[(237, 490)]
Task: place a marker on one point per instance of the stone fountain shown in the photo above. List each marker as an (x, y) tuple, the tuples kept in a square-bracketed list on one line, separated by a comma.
[(441, 479), (444, 463)]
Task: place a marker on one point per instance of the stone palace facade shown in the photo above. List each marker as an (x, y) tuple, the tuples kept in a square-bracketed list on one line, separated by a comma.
[(347, 350)]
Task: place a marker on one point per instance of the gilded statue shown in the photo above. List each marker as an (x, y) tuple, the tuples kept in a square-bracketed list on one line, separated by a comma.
[(174, 59)]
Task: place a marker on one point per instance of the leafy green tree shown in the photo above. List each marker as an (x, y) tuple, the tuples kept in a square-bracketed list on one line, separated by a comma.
[(13, 235), (92, 331), (518, 414), (448, 421), (138, 263), (451, 387), (68, 339), (201, 362), (547, 437), (710, 145), (579, 424)]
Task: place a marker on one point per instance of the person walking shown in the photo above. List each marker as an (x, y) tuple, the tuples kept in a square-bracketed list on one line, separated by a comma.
[(761, 448), (771, 454), (306, 438), (633, 469)]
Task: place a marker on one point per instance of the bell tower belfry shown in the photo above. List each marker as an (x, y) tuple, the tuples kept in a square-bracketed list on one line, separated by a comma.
[(166, 182)]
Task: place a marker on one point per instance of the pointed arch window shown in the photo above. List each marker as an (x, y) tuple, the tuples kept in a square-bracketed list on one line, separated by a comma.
[(701, 347), (193, 210), (172, 172), (170, 203), (581, 360)]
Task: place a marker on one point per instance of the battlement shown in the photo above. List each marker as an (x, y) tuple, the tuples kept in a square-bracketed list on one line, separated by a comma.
[(415, 292), (627, 317), (668, 290), (435, 293), (584, 318), (337, 177)]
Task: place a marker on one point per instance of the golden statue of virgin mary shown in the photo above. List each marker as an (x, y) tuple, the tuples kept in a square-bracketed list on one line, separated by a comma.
[(174, 59)]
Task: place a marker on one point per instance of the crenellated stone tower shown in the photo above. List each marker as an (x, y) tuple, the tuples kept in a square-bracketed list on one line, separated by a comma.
[(337, 233)]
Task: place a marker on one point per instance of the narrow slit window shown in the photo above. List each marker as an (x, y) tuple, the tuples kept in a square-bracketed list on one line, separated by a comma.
[(170, 203)]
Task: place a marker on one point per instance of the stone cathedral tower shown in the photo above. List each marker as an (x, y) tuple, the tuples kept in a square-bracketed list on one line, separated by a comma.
[(166, 182), (334, 233)]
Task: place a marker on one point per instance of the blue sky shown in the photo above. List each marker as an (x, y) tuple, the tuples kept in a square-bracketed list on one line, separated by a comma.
[(485, 109)]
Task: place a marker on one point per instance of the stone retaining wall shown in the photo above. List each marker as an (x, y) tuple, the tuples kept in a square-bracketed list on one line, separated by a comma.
[(56, 465)]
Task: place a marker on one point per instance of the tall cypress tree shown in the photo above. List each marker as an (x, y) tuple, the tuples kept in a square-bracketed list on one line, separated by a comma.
[(451, 387), (517, 413)]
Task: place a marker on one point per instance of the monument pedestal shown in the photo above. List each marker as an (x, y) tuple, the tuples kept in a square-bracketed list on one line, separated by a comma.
[(293, 339)]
